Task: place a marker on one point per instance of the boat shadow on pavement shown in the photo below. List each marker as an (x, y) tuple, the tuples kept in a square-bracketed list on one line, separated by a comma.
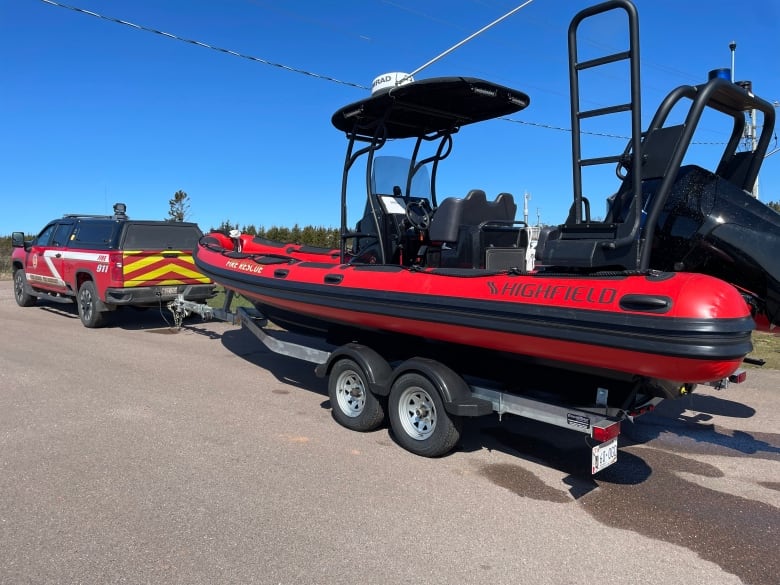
[(700, 423), (561, 449), (286, 369)]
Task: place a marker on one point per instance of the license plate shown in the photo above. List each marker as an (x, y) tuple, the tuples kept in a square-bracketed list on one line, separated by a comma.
[(169, 290), (604, 455)]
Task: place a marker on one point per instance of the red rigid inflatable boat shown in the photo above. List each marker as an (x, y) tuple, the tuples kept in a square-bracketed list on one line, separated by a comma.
[(663, 292), (680, 327)]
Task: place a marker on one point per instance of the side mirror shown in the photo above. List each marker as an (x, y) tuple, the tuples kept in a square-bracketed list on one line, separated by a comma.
[(17, 239)]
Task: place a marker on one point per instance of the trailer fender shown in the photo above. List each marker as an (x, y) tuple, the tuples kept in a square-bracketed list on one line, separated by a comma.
[(454, 391), (378, 371)]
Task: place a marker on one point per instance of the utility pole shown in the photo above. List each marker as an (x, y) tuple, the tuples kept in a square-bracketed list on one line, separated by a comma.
[(750, 134)]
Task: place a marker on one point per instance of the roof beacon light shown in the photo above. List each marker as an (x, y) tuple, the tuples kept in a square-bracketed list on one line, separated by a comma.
[(390, 80), (120, 211)]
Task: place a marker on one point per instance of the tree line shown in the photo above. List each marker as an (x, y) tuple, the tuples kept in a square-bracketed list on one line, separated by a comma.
[(324, 237)]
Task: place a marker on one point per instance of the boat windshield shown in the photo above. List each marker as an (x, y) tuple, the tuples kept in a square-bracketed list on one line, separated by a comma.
[(389, 172)]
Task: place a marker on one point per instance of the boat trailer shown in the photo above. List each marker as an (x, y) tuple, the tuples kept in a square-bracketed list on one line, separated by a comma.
[(358, 376)]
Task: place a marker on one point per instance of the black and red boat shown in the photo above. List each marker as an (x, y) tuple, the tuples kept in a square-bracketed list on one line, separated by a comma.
[(661, 294)]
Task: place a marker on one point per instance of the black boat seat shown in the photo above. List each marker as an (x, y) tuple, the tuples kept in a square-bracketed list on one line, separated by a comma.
[(658, 146), (472, 232), (544, 234), (582, 244), (472, 210)]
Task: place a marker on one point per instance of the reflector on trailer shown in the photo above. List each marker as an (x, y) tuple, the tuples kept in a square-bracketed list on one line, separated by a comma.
[(605, 430), (738, 377)]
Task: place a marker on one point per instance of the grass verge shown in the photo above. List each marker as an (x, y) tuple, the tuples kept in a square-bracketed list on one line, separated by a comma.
[(219, 300), (766, 346)]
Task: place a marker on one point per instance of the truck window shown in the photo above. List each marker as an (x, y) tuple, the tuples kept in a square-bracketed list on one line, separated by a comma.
[(95, 235), (163, 236), (44, 237), (60, 237)]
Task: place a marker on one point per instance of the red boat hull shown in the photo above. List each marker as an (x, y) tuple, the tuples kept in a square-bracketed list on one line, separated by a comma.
[(680, 327)]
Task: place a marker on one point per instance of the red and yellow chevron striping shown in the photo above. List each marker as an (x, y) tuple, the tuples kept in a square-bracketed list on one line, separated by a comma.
[(145, 268)]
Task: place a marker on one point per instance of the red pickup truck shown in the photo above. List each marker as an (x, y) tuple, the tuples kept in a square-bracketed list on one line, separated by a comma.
[(102, 262)]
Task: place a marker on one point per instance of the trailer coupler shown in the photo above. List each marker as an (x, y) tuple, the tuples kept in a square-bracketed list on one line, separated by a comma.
[(181, 309)]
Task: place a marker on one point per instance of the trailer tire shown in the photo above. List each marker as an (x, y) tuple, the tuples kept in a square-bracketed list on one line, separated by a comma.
[(89, 306), (20, 290), (418, 418), (352, 403)]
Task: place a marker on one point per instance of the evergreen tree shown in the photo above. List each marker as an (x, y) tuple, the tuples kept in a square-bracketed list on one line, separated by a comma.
[(179, 206), (225, 227), (295, 234)]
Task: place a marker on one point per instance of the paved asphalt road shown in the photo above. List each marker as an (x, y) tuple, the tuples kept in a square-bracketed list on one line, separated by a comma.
[(135, 454)]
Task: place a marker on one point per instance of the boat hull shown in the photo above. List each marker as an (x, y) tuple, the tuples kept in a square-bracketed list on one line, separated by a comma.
[(680, 327)]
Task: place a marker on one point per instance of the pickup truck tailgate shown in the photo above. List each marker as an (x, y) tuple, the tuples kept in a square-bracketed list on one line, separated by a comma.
[(160, 267)]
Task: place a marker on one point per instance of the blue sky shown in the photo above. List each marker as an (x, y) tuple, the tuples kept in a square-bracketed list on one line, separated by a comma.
[(95, 112)]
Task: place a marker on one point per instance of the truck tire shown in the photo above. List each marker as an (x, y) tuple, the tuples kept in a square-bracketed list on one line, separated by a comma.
[(88, 306), (23, 299), (418, 419), (352, 403)]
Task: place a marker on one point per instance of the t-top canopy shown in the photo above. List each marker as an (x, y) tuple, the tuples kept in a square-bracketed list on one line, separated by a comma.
[(428, 106)]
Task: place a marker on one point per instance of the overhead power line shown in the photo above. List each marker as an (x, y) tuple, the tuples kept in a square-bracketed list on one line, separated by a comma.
[(601, 134), (205, 45), (295, 69), (561, 129)]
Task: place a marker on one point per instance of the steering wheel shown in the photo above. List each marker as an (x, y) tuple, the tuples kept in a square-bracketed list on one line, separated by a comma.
[(624, 163), (621, 170), (418, 215)]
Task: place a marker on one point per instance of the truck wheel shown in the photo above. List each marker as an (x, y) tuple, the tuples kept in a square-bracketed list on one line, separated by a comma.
[(88, 306), (418, 419), (353, 404), (20, 290)]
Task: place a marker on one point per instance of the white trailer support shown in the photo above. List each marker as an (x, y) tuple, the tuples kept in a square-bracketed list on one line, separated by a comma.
[(423, 399)]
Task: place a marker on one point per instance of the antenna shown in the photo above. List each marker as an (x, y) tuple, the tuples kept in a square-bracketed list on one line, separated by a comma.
[(526, 197), (467, 39), (733, 48)]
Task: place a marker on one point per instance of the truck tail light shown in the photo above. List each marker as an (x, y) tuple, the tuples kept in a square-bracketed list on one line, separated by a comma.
[(605, 431), (115, 267)]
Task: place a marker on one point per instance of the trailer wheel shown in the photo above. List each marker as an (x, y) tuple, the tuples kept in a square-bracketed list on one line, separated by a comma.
[(20, 293), (352, 403), (418, 418), (87, 304)]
